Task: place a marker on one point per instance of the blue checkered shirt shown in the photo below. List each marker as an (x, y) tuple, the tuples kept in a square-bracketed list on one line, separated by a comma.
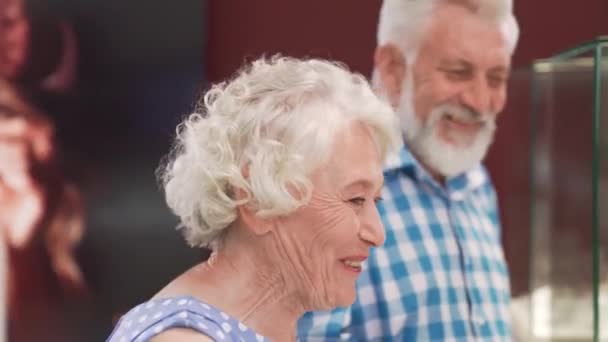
[(441, 274)]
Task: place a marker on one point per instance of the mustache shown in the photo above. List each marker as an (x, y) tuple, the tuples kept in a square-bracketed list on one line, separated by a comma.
[(463, 114)]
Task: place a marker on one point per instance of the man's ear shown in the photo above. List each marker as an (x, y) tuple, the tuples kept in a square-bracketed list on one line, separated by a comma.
[(390, 65)]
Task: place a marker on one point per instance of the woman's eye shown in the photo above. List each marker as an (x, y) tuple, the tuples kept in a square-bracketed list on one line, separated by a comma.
[(378, 200), (357, 201)]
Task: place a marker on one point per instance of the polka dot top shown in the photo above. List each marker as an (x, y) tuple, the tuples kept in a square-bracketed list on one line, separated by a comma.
[(155, 316)]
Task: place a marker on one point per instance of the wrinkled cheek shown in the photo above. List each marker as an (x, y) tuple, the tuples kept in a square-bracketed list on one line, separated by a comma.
[(313, 275), (324, 286), (325, 273), (297, 263)]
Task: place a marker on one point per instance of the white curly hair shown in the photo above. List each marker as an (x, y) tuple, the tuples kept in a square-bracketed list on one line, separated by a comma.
[(403, 22), (263, 133)]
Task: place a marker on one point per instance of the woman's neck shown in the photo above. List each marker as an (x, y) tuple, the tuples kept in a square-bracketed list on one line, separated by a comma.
[(249, 285)]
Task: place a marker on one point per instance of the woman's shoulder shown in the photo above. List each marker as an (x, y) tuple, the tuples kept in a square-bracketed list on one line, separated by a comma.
[(185, 335), (186, 316)]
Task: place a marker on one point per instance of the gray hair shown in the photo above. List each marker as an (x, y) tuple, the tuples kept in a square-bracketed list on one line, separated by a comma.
[(403, 22), (276, 120)]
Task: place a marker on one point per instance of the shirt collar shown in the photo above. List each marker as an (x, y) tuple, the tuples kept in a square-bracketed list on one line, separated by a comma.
[(457, 186)]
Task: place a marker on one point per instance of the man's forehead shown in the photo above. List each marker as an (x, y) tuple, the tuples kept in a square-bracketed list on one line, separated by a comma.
[(471, 6), (465, 37)]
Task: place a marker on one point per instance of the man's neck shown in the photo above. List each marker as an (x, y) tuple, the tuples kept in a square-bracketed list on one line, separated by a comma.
[(438, 177)]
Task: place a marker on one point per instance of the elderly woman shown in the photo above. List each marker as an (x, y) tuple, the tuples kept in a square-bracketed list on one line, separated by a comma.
[(278, 174)]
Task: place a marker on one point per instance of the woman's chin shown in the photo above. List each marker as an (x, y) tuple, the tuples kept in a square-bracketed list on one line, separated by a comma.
[(341, 298), (344, 298)]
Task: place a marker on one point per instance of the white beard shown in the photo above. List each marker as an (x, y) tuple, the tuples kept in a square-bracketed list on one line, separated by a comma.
[(447, 159)]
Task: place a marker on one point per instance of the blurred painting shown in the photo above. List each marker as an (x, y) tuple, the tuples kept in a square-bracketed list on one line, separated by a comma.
[(89, 93)]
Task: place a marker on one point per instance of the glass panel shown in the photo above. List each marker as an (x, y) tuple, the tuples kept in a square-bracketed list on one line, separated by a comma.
[(603, 194), (562, 267)]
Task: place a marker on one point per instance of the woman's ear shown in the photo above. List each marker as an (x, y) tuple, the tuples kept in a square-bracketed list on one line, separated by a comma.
[(247, 213), (390, 65)]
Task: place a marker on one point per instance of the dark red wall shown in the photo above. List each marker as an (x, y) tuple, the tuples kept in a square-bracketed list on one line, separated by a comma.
[(547, 27), (345, 30), (339, 29)]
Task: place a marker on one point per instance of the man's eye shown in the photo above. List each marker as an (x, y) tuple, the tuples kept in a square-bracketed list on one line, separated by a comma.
[(496, 81), (457, 74), (357, 201), (378, 200)]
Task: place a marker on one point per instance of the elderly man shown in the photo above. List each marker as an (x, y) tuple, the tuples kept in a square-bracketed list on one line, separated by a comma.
[(441, 275)]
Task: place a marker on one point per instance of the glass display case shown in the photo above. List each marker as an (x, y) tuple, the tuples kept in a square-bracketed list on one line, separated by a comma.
[(568, 300)]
